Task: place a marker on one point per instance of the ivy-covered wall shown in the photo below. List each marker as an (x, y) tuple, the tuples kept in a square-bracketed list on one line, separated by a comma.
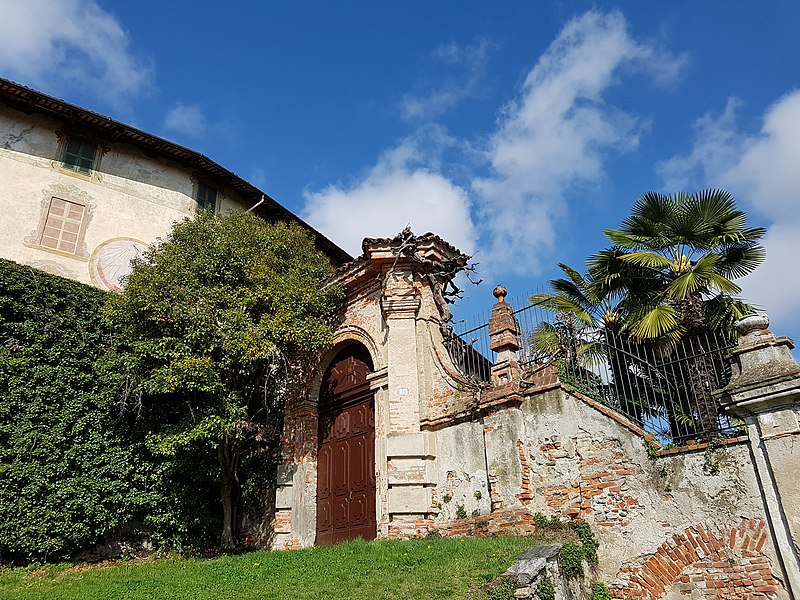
[(74, 471)]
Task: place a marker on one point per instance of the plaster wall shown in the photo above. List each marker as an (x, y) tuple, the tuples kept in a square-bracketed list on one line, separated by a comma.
[(779, 434), (461, 479), (128, 196), (461, 457)]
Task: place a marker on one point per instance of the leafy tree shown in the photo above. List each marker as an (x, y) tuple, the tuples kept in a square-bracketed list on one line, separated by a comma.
[(212, 322)]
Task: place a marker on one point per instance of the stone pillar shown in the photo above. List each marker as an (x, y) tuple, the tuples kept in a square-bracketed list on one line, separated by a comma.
[(409, 452), (504, 339), (764, 391)]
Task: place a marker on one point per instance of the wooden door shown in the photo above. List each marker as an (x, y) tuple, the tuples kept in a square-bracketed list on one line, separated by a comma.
[(346, 459)]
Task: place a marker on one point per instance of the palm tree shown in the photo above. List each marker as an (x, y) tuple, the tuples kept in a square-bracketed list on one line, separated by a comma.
[(671, 270)]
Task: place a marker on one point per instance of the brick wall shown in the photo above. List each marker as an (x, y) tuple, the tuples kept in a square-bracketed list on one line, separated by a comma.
[(501, 522), (599, 486)]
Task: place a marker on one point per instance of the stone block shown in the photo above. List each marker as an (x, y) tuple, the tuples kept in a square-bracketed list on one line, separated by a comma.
[(285, 474), (283, 497), (411, 445), (409, 500), (404, 471), (527, 570)]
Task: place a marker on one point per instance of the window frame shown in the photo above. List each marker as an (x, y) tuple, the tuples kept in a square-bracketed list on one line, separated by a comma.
[(203, 203), (76, 165), (76, 246)]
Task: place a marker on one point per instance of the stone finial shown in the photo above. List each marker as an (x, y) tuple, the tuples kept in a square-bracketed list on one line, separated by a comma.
[(504, 338), (752, 323)]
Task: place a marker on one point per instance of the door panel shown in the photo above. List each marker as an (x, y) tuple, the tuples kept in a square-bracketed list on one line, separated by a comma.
[(346, 459)]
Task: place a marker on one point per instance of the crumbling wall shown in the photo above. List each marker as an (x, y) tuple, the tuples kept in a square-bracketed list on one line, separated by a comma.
[(666, 524), (459, 456)]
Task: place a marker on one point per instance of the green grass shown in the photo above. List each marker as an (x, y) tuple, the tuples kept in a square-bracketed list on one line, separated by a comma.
[(424, 569)]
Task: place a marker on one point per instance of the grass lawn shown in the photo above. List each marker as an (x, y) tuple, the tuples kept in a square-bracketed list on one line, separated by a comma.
[(424, 569)]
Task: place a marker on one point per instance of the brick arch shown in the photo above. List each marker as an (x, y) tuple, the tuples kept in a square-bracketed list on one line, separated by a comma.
[(719, 562), (347, 335)]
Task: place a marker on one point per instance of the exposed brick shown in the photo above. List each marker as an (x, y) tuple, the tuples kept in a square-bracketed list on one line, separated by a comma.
[(727, 574)]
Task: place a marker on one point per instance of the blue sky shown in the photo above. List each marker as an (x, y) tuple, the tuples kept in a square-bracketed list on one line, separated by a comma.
[(516, 130)]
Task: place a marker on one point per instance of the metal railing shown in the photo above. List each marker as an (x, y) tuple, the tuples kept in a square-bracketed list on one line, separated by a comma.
[(467, 343), (666, 389)]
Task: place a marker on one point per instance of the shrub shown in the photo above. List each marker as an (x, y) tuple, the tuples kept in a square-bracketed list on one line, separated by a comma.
[(600, 591), (588, 540), (501, 590), (570, 560), (546, 590)]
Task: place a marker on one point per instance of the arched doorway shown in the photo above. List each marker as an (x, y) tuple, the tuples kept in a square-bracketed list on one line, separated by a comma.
[(346, 458)]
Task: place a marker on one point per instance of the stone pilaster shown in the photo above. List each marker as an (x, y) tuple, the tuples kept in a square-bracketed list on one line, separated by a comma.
[(400, 306), (764, 391)]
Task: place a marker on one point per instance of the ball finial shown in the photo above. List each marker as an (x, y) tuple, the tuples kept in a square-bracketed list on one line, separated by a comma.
[(500, 293)]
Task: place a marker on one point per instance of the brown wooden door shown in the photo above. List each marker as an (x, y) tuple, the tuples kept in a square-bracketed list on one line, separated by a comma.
[(346, 459)]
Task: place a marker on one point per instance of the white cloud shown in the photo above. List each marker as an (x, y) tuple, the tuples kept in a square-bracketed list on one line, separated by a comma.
[(557, 135), (186, 119), (397, 191), (63, 44), (472, 59), (761, 170)]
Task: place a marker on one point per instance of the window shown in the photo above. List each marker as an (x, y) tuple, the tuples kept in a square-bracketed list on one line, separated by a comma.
[(80, 155), (206, 196), (63, 225)]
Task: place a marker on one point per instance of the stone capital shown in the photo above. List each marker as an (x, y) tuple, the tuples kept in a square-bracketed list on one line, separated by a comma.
[(765, 375), (403, 306)]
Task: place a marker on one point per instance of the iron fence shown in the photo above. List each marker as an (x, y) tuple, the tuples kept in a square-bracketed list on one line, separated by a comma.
[(667, 389)]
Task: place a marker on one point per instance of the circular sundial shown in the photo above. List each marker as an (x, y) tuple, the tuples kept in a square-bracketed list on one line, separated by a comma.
[(111, 262)]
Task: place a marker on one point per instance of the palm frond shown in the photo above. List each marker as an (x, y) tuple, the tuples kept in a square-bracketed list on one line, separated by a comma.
[(722, 311), (655, 322), (573, 275), (741, 259), (650, 260)]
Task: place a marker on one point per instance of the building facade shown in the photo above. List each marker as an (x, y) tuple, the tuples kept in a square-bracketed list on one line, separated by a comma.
[(82, 194), (391, 436)]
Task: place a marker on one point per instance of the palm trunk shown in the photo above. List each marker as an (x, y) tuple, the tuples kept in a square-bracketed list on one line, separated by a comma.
[(702, 381), (701, 373)]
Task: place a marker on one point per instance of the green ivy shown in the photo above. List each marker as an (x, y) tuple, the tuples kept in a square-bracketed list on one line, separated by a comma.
[(570, 559), (588, 541), (546, 590), (73, 470), (502, 590)]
